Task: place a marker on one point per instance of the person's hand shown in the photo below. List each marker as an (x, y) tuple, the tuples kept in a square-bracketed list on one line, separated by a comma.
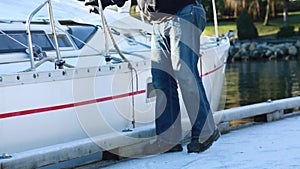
[(94, 5)]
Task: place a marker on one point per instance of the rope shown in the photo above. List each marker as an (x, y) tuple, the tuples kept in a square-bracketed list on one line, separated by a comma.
[(132, 69)]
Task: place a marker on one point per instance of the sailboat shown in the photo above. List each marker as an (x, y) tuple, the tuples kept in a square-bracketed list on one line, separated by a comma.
[(63, 77)]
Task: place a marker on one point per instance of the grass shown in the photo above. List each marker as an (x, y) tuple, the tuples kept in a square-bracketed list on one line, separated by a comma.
[(272, 28)]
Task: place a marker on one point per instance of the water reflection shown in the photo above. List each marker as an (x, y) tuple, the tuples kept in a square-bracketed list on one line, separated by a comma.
[(257, 81)]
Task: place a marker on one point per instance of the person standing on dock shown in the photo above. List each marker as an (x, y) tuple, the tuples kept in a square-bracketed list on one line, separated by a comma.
[(175, 46)]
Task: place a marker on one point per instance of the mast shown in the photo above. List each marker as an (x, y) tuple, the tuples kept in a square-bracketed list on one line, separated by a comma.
[(215, 18)]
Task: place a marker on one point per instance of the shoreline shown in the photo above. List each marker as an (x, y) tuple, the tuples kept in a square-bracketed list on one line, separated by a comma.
[(265, 48)]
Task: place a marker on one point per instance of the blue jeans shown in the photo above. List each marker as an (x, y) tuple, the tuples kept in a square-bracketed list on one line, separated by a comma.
[(174, 58)]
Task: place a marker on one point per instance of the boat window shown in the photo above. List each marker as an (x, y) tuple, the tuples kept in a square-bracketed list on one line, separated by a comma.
[(17, 41), (81, 33), (63, 40)]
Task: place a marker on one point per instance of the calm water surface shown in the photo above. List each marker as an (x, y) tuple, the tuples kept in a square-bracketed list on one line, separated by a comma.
[(257, 81)]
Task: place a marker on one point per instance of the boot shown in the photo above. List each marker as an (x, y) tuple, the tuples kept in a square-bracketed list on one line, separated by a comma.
[(160, 147), (196, 147)]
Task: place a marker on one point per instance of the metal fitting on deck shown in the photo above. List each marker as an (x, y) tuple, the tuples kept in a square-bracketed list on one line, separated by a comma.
[(5, 156), (59, 64)]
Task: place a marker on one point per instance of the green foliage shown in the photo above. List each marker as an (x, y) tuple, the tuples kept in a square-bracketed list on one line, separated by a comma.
[(272, 28), (286, 31), (245, 27)]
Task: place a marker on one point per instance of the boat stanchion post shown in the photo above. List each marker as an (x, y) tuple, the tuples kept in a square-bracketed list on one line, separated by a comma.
[(59, 62)]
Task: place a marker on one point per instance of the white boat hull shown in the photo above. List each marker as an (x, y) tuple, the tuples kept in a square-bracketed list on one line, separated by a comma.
[(47, 107), (82, 103)]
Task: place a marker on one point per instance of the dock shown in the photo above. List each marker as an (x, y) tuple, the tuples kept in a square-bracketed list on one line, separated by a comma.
[(266, 136), (263, 146)]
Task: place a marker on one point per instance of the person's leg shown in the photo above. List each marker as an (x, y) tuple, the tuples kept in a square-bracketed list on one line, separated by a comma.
[(186, 45), (167, 111)]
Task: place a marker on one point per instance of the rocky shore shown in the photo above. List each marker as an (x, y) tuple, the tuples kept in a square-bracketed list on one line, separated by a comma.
[(266, 48)]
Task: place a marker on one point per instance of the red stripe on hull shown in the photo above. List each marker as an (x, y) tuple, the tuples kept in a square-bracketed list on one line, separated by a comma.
[(65, 106)]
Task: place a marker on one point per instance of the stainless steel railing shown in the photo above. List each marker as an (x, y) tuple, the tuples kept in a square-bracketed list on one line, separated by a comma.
[(28, 28)]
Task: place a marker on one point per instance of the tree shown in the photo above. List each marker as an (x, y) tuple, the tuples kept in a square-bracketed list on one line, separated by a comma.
[(273, 10), (266, 21), (254, 9), (285, 12)]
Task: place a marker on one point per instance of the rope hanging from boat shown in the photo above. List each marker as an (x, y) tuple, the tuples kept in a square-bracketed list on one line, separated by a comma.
[(107, 32)]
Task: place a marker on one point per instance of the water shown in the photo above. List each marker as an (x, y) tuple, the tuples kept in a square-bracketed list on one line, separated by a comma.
[(252, 82)]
